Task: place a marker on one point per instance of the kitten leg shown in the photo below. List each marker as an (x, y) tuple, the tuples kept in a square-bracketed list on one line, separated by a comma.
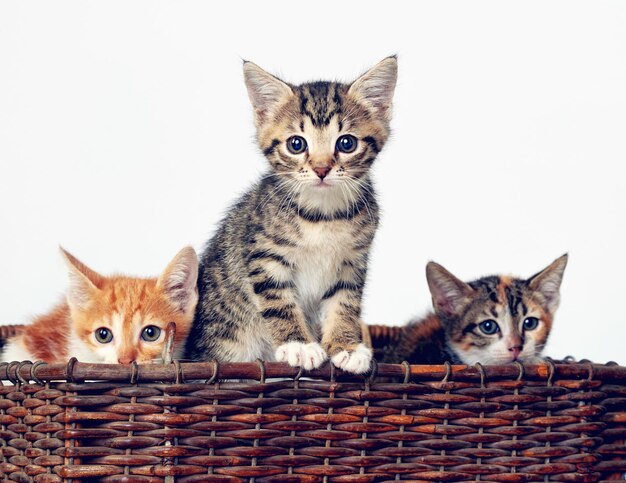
[(342, 337), (293, 341)]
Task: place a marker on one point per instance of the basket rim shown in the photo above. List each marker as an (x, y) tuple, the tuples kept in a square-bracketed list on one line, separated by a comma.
[(181, 372)]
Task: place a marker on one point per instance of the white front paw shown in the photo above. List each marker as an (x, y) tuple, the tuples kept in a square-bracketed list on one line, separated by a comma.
[(357, 361), (309, 356)]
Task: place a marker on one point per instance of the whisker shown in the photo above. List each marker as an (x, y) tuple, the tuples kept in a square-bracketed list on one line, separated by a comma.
[(346, 195), (361, 188), (357, 193), (288, 198), (283, 183)]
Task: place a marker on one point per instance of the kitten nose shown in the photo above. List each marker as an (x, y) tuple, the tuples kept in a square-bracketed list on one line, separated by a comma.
[(126, 360), (322, 172), (516, 350)]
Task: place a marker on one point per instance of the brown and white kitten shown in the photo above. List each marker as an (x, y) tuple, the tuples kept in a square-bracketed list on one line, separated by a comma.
[(492, 320), (113, 319), (283, 277)]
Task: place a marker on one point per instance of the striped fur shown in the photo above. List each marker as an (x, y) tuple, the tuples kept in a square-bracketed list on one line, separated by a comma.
[(454, 332), (285, 271)]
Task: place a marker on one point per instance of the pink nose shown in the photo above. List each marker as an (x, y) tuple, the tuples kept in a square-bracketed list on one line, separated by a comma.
[(516, 350), (322, 172), (125, 360)]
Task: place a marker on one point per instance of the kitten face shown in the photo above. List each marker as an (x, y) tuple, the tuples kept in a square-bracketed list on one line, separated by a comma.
[(321, 138), (123, 319), (496, 319)]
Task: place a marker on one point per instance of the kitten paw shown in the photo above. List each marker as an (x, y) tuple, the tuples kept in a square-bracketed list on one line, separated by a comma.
[(357, 361), (308, 356)]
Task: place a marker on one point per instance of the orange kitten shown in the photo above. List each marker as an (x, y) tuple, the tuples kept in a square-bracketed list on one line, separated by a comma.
[(113, 319)]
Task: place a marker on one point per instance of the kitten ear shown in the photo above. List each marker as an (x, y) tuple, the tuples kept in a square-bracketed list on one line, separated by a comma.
[(548, 282), (178, 280), (265, 91), (84, 282), (450, 295), (376, 86)]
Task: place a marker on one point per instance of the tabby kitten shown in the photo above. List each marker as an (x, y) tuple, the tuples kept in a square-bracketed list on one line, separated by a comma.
[(492, 320), (282, 278), (113, 319)]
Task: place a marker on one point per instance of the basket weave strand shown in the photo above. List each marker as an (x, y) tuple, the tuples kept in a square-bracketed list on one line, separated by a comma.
[(7, 331), (267, 422)]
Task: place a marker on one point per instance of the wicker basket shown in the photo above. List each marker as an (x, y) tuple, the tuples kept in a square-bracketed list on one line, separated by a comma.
[(265, 422)]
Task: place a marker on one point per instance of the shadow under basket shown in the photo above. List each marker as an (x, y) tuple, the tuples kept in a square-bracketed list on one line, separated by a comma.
[(267, 422)]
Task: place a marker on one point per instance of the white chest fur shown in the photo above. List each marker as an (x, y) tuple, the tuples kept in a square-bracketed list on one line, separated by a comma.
[(318, 260), (15, 351)]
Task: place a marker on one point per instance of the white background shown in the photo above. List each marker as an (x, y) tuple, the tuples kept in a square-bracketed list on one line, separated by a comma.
[(125, 132)]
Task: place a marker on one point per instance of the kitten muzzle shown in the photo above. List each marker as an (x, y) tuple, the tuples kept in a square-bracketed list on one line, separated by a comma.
[(515, 345), (322, 172), (516, 351), (127, 357)]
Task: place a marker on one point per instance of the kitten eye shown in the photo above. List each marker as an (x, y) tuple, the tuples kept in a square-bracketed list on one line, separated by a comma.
[(104, 335), (346, 143), (151, 333), (531, 323), (489, 327), (296, 144)]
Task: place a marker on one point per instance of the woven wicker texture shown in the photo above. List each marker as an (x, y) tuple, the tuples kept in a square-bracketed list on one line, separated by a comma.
[(7, 331), (563, 422)]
